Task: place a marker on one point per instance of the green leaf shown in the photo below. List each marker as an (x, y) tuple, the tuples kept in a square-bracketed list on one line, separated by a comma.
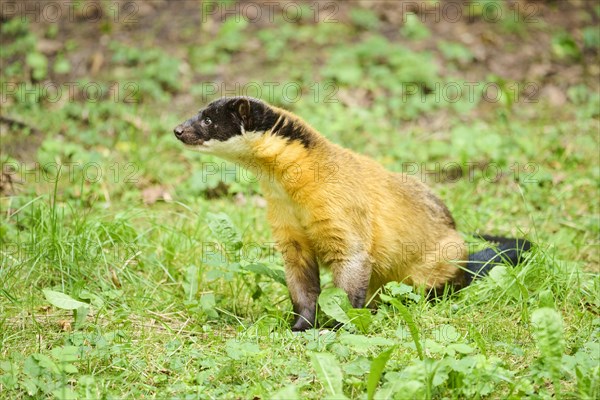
[(240, 350), (564, 46), (6, 366), (334, 302), (46, 363), (30, 386), (62, 300), (361, 318), (80, 315), (406, 315), (436, 348), (213, 275), (70, 369), (445, 333), (401, 291), (31, 367), (66, 353), (478, 339), (39, 65), (364, 18), (398, 289), (190, 286), (94, 299), (62, 65), (287, 393), (504, 280), (329, 373), (262, 269), (358, 367), (462, 348), (377, 366), (64, 393), (208, 303), (362, 343), (221, 226), (464, 365), (413, 28), (547, 327), (546, 299)]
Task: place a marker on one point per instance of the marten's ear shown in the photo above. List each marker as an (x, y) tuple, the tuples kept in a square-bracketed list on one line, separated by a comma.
[(241, 107)]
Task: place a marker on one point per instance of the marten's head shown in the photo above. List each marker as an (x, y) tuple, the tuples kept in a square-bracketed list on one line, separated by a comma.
[(218, 128), (226, 126)]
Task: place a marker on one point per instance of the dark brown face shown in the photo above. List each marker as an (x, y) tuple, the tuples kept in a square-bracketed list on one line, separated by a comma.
[(220, 121)]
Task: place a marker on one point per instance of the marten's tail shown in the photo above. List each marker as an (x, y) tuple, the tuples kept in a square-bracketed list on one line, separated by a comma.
[(507, 250)]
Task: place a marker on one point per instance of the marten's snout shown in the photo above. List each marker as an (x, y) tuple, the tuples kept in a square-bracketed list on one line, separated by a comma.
[(188, 134), (178, 131)]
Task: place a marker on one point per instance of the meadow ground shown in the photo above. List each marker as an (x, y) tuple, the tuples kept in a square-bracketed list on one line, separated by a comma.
[(131, 268)]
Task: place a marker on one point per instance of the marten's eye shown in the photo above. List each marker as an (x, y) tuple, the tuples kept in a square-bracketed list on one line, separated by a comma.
[(206, 121)]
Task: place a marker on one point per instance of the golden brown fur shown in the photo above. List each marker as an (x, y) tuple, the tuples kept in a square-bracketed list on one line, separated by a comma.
[(347, 212)]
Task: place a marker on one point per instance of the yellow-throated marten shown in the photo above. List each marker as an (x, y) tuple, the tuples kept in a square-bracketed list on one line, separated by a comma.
[(330, 206)]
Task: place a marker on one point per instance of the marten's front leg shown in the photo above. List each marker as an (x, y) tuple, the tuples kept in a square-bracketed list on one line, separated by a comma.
[(352, 274), (302, 277), (301, 268)]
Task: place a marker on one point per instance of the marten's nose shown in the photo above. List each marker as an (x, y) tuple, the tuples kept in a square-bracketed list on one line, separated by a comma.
[(178, 131)]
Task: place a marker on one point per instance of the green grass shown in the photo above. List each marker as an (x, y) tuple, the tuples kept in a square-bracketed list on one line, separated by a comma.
[(182, 296)]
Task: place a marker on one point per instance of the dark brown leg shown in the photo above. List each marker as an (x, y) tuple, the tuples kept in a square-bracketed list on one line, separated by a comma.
[(302, 277)]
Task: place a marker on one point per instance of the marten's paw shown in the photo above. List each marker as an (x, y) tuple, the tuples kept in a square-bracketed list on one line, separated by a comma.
[(301, 325)]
